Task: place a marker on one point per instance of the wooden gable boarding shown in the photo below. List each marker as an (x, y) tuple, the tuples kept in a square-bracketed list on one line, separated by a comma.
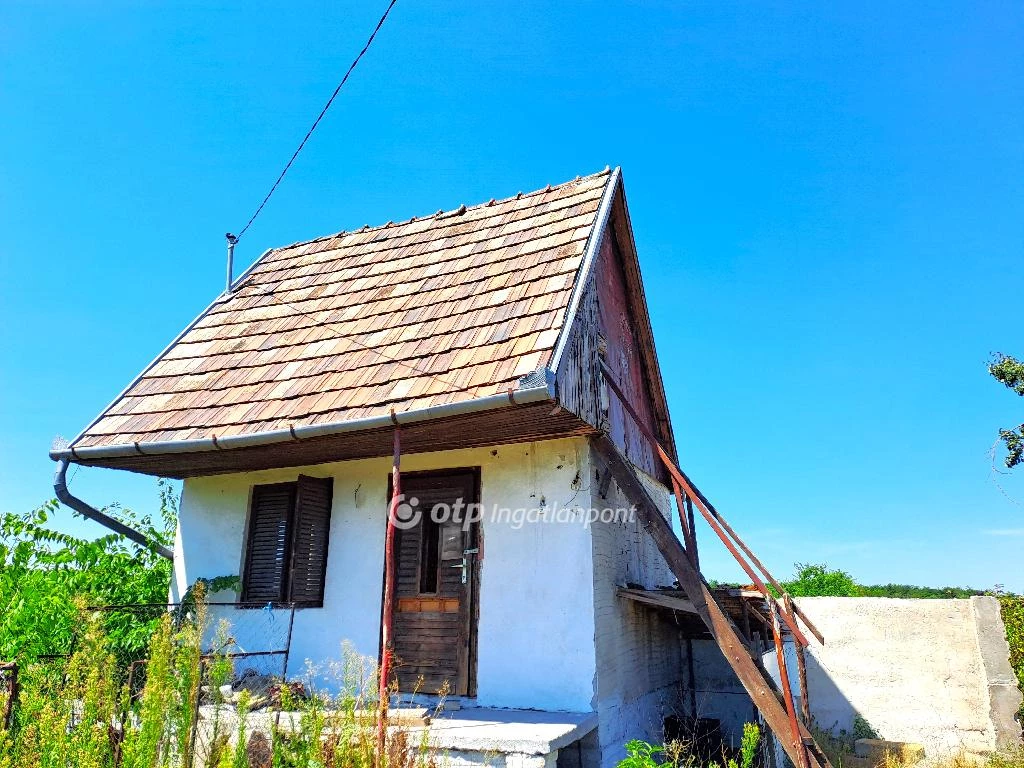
[(612, 325)]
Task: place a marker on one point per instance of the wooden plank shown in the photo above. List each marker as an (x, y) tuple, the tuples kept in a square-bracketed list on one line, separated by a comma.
[(651, 597), (622, 351), (801, 665), (753, 678), (626, 245), (428, 605)]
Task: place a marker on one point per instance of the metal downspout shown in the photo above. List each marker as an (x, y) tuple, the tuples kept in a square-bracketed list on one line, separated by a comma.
[(60, 487)]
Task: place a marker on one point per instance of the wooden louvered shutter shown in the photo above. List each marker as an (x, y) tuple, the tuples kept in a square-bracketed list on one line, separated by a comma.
[(312, 529), (266, 560)]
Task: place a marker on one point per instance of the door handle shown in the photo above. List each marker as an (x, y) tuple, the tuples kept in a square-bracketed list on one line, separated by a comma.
[(464, 565)]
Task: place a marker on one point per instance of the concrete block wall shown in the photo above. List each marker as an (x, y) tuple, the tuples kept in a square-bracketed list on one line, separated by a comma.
[(639, 661), (718, 694), (935, 672)]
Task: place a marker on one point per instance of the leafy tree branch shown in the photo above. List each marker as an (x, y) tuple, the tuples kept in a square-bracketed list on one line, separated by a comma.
[(1010, 372)]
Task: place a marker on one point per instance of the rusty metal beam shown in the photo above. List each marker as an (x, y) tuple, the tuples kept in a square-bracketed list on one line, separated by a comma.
[(787, 689), (388, 611), (735, 651), (801, 667), (714, 519), (686, 523), (753, 559), (693, 531)]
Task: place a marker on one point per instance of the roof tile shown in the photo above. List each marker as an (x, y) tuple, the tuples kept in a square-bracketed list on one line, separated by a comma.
[(433, 310)]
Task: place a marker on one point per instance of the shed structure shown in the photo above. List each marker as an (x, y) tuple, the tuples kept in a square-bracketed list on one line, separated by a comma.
[(509, 346)]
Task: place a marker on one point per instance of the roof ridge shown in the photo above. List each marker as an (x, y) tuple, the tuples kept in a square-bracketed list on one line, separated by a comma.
[(441, 213)]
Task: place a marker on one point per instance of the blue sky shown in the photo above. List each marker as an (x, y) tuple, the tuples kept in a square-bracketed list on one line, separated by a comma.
[(827, 205)]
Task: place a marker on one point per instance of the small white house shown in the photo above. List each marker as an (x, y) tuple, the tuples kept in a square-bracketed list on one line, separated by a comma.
[(477, 334)]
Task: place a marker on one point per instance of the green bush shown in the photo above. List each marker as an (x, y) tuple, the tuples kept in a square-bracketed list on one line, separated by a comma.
[(640, 754), (1012, 610), (817, 580), (43, 571)]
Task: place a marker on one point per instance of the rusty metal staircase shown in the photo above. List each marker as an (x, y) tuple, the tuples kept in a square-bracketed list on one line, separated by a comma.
[(776, 706)]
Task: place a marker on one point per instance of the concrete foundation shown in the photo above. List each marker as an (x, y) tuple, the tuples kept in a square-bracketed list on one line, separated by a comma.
[(473, 738)]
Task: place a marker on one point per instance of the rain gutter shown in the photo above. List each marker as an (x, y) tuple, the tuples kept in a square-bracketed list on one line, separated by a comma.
[(60, 486), (513, 397)]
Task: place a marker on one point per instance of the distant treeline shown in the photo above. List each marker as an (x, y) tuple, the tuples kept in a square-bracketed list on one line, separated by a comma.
[(818, 580)]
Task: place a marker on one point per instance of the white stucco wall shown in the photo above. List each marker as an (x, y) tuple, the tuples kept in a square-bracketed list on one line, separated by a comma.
[(639, 662), (536, 630), (934, 672)]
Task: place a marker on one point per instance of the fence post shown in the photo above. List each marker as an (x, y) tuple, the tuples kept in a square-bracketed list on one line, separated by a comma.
[(801, 667), (189, 760), (288, 644), (12, 691)]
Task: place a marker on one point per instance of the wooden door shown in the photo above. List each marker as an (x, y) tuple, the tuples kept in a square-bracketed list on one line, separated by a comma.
[(435, 589)]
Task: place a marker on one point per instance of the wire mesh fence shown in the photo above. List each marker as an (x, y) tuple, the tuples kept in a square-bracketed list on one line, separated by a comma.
[(244, 629), (243, 666)]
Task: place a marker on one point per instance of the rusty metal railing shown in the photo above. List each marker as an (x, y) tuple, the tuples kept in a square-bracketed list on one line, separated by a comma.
[(782, 608)]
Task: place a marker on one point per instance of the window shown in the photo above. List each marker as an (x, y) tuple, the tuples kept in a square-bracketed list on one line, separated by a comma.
[(429, 564), (286, 551)]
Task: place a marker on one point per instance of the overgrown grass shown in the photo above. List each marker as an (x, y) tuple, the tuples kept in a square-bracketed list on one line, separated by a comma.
[(679, 754), (80, 712), (1009, 758), (837, 749)]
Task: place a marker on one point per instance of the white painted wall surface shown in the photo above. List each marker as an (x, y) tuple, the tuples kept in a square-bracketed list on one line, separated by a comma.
[(536, 630), (639, 661), (916, 670)]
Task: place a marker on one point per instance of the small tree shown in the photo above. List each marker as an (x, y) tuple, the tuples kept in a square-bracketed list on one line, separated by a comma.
[(817, 580), (1010, 372), (43, 570)]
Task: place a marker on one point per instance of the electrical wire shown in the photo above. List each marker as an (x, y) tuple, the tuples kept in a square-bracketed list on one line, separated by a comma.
[(316, 122)]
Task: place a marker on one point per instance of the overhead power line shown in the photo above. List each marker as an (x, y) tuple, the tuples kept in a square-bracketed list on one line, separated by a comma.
[(319, 117)]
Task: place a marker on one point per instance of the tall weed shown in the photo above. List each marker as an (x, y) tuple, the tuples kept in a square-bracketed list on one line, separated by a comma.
[(80, 712)]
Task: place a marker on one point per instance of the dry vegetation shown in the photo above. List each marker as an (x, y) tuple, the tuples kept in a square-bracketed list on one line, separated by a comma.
[(81, 712)]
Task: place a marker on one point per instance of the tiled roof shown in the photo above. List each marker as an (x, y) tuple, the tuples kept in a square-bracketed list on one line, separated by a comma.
[(439, 309)]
